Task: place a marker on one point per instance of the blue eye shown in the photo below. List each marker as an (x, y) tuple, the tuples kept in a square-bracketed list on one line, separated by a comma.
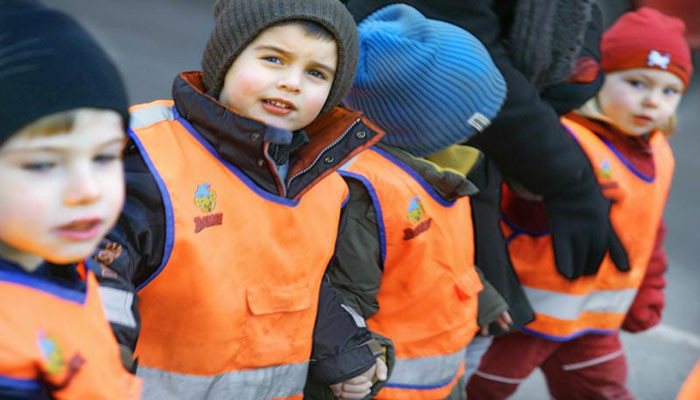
[(671, 91), (317, 74), (272, 59), (106, 158), (637, 84), (38, 166)]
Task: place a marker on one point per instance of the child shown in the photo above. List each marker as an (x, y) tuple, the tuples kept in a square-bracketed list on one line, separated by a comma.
[(232, 212), (405, 255), (574, 338), (63, 113)]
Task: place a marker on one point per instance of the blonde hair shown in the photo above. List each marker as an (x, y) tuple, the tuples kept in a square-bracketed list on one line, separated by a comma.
[(53, 124), (591, 109)]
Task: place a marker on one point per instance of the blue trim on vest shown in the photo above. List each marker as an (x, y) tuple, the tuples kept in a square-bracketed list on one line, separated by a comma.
[(415, 175), (377, 209), (570, 337), (42, 285), (419, 387), (345, 201), (520, 231), (645, 178), (243, 177), (21, 384), (167, 206)]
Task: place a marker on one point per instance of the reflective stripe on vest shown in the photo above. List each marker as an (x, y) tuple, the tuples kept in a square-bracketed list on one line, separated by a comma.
[(569, 307), (284, 381), (428, 294), (564, 308), (427, 372), (58, 337), (235, 291)]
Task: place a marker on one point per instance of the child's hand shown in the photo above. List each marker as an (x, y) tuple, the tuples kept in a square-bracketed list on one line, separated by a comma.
[(504, 320), (359, 386)]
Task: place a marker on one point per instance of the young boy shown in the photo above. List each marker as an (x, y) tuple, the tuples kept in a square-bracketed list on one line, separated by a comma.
[(232, 212), (405, 254), (63, 113), (574, 337)]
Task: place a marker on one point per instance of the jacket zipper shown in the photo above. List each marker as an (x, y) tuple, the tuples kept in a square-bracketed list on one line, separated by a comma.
[(272, 165), (320, 153)]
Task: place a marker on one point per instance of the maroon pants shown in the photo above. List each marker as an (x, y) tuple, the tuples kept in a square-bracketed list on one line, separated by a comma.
[(589, 367)]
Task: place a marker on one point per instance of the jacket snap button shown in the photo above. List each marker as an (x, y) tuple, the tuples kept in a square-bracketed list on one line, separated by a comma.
[(261, 162), (328, 160), (254, 137), (361, 134)]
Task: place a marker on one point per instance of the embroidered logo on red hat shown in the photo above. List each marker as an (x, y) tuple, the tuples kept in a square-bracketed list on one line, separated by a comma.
[(658, 59)]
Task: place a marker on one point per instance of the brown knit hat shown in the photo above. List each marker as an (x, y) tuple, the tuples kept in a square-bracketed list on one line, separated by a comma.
[(239, 22)]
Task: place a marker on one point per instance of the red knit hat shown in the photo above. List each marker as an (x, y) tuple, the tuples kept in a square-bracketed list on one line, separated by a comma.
[(646, 38)]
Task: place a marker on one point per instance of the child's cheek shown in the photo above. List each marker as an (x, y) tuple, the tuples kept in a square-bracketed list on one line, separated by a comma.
[(317, 100), (248, 83), (113, 195), (25, 215)]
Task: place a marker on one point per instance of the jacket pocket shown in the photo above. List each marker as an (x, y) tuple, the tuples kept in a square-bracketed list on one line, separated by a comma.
[(278, 327)]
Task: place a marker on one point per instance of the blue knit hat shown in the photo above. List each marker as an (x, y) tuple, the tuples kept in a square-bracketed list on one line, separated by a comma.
[(427, 83)]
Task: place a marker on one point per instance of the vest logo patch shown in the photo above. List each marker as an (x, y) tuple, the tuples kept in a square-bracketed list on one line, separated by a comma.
[(52, 353), (605, 175), (605, 170), (205, 200), (416, 212), (55, 363), (658, 59)]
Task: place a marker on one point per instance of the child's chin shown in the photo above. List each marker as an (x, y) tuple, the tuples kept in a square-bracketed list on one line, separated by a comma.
[(73, 253)]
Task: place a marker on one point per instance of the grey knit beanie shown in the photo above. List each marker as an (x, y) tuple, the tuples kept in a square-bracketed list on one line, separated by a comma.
[(239, 22)]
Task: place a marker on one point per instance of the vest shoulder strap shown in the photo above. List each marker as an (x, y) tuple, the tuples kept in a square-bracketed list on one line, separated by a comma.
[(144, 115)]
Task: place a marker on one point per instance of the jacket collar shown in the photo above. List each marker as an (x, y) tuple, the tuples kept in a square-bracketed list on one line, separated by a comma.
[(333, 138), (449, 183)]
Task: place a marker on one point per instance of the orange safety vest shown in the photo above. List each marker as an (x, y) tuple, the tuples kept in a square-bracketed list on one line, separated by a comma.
[(428, 294), (58, 340), (230, 312), (691, 388), (564, 308)]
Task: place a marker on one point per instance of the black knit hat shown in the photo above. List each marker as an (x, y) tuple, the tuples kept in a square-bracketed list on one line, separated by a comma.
[(239, 22), (50, 64)]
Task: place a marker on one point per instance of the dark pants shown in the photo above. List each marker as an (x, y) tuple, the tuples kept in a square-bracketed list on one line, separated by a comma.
[(589, 367)]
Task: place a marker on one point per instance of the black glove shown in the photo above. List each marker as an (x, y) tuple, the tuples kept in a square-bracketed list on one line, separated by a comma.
[(342, 345), (581, 230)]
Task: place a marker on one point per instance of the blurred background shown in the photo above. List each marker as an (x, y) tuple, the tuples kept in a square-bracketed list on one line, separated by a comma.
[(153, 40)]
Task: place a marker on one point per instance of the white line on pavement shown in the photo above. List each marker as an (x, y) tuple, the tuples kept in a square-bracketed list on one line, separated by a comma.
[(670, 334)]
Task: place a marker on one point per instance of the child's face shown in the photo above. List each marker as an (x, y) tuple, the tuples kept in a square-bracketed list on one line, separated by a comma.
[(640, 100), (61, 193), (282, 78)]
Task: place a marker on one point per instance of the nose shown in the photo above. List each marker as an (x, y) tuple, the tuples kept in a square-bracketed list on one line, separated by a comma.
[(652, 98), (83, 187), (291, 81)]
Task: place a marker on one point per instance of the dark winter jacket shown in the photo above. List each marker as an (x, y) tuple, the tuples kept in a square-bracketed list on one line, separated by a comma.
[(358, 274), (132, 251)]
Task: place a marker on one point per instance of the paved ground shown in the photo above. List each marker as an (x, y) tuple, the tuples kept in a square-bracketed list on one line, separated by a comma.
[(152, 40)]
